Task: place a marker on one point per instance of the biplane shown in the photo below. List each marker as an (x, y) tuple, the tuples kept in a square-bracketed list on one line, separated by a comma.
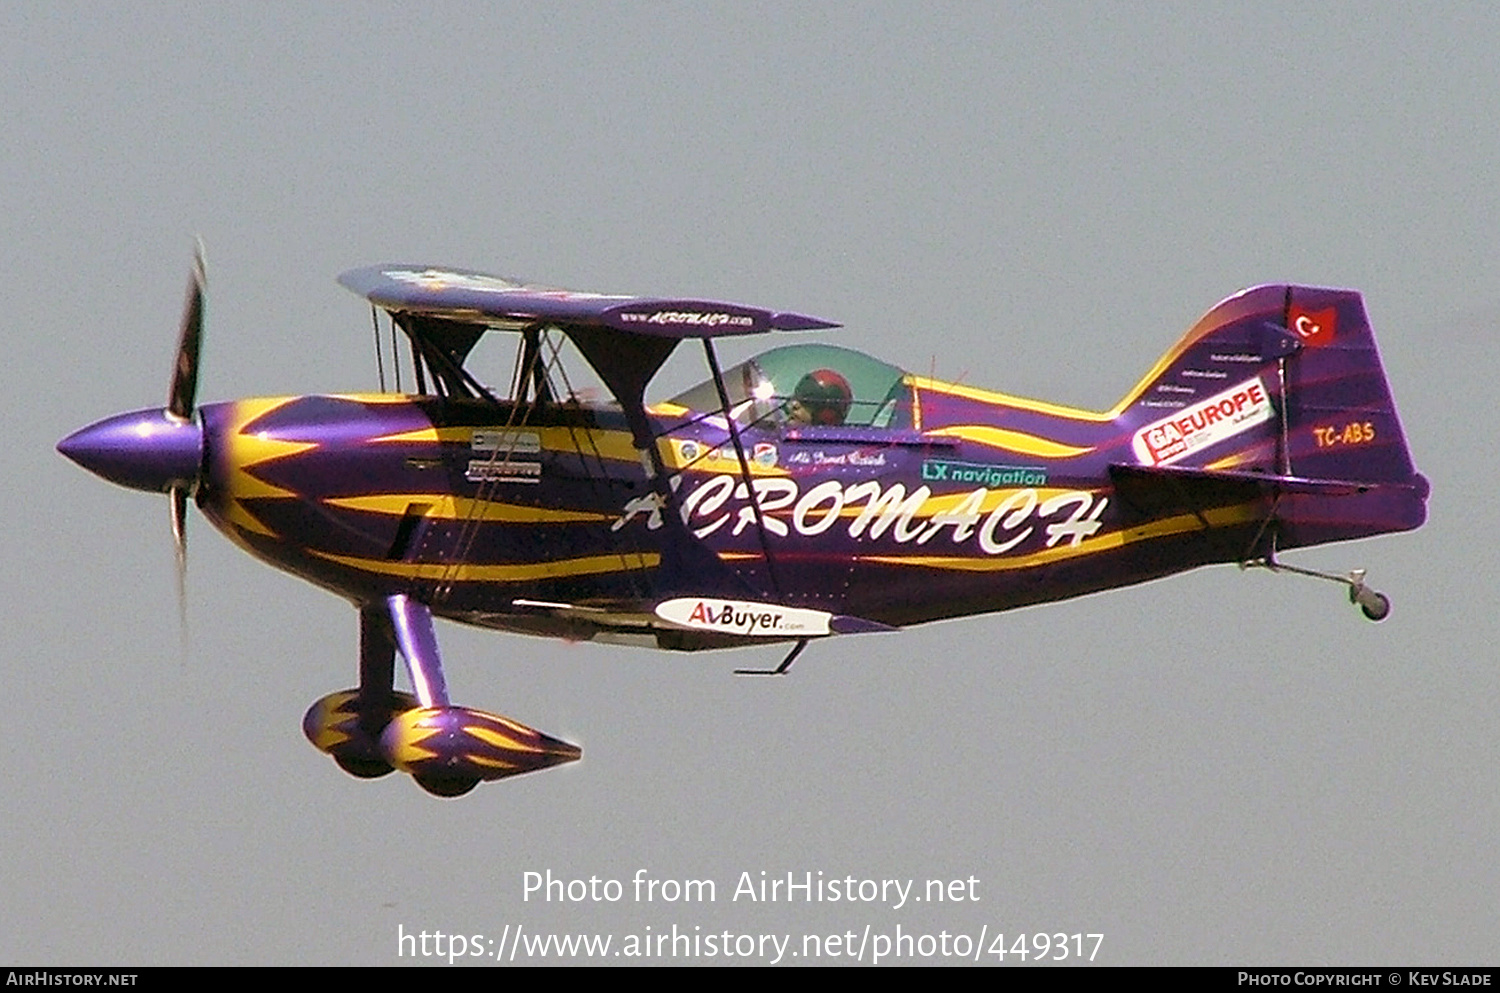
[(810, 492)]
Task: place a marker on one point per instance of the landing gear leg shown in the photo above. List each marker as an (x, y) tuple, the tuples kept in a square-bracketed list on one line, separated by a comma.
[(377, 671), (449, 750)]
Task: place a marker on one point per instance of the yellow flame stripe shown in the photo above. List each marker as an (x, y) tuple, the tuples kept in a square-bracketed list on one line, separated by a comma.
[(408, 740), (377, 398), (1229, 462), (327, 738), (249, 450), (924, 384), (1197, 331), (491, 763), (517, 573), (431, 436), (492, 737), (1239, 514)]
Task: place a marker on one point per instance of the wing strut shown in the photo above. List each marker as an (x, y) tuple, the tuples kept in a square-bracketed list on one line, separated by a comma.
[(625, 362), (739, 451), (379, 361), (536, 378)]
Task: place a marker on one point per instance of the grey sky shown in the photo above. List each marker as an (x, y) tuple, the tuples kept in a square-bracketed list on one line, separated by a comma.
[(1215, 768)]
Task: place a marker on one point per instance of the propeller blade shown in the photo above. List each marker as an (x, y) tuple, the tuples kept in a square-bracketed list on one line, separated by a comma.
[(179, 498), (179, 520), (183, 396)]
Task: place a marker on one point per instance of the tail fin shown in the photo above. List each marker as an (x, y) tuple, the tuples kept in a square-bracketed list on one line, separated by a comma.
[(1282, 380)]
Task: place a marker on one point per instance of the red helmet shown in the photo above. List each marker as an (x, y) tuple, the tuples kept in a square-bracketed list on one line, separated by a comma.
[(825, 395)]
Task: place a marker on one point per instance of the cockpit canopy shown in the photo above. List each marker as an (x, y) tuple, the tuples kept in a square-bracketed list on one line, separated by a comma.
[(767, 389)]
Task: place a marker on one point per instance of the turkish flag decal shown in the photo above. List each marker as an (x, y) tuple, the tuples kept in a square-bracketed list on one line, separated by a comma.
[(1314, 327)]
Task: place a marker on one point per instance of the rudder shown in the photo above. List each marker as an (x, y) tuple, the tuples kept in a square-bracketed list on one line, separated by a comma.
[(1341, 416)]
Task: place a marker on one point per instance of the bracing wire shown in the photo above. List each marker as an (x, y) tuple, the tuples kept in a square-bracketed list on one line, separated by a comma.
[(488, 484), (548, 357)]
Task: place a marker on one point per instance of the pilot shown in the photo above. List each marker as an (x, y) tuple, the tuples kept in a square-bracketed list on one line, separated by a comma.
[(822, 398)]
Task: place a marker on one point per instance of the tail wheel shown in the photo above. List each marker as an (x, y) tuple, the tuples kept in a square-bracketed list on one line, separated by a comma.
[(1375, 606)]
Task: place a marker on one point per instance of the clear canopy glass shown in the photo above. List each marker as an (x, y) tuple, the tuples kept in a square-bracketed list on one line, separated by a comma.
[(761, 389)]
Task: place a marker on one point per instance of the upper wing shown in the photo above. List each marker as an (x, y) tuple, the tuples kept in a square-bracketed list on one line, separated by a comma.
[(626, 339), (474, 297)]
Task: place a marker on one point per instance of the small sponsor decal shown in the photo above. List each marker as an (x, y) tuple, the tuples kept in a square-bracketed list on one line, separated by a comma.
[(1315, 328), (697, 456), (859, 457), (1205, 423), (487, 471), (744, 617), (1242, 357), (514, 442), (983, 474), (695, 318)]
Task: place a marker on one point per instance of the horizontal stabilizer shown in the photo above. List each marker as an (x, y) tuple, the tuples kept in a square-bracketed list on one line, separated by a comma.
[(1229, 482), (1159, 491)]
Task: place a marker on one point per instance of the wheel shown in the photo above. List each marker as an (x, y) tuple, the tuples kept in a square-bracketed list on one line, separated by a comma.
[(364, 768), (444, 786), (1375, 606)]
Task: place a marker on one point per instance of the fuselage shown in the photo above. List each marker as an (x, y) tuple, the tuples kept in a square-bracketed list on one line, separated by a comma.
[(472, 507)]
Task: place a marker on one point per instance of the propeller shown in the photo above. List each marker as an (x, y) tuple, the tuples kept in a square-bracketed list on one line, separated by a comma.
[(159, 450), (182, 404)]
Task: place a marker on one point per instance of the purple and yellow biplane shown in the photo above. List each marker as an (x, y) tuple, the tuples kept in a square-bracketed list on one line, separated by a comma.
[(809, 492)]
